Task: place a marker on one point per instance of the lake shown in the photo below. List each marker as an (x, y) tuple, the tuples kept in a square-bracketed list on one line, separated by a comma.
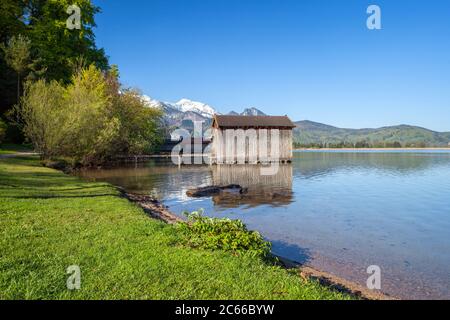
[(339, 211)]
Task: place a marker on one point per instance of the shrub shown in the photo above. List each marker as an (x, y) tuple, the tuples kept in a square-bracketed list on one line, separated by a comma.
[(89, 120), (91, 128), (222, 234), (139, 130), (2, 130), (66, 165), (43, 117)]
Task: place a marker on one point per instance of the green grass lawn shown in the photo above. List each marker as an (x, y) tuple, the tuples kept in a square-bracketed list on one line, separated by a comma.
[(49, 221)]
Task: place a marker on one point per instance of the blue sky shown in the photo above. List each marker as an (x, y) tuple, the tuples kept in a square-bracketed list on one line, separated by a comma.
[(310, 59)]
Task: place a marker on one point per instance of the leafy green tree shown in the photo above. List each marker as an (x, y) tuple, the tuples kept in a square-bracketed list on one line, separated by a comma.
[(43, 116), (89, 120), (11, 22), (73, 121), (140, 125), (2, 130), (54, 48), (91, 126), (18, 56), (58, 46)]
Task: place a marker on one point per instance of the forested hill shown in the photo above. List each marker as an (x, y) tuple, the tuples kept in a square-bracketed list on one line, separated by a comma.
[(313, 134)]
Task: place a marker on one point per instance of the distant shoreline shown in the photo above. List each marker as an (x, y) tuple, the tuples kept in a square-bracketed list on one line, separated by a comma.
[(369, 149)]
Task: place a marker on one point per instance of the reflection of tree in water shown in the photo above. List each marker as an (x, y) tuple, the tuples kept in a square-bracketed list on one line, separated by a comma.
[(311, 164), (160, 179), (275, 190)]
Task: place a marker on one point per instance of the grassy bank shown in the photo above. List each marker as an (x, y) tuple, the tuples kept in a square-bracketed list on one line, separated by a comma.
[(49, 221)]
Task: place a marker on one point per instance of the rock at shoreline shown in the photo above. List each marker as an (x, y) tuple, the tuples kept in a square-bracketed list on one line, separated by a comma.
[(215, 190), (152, 206)]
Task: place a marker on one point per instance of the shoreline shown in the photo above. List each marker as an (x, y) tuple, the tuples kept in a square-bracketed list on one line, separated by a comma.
[(156, 210), (372, 149), (109, 229)]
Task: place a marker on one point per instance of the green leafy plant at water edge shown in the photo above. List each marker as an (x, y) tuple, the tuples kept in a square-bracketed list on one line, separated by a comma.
[(225, 234)]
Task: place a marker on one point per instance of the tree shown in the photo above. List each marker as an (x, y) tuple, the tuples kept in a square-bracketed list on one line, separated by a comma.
[(43, 117), (11, 22), (58, 46), (53, 47), (91, 126), (140, 129), (2, 130), (73, 121), (140, 125), (89, 120), (18, 57)]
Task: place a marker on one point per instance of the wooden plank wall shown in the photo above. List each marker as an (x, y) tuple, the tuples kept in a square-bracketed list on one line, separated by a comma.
[(222, 145)]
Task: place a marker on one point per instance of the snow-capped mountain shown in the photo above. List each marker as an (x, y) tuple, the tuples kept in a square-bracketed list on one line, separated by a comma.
[(251, 112), (184, 109), (205, 110), (184, 112)]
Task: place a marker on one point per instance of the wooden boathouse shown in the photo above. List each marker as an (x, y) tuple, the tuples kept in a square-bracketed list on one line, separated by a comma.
[(251, 139)]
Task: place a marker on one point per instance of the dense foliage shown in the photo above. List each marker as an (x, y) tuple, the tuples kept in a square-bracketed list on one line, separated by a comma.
[(17, 56), (2, 130), (37, 44), (88, 120), (224, 234)]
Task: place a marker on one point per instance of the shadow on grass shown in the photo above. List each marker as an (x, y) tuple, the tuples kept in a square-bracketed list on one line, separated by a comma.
[(25, 178), (39, 180), (52, 190)]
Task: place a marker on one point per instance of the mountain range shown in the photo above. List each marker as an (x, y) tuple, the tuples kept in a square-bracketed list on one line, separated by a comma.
[(248, 112), (307, 133), (181, 114), (314, 134)]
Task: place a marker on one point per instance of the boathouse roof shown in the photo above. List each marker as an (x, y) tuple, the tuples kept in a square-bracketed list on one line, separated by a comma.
[(229, 121)]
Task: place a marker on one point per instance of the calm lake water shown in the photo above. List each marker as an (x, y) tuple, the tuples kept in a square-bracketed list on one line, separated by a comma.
[(339, 212)]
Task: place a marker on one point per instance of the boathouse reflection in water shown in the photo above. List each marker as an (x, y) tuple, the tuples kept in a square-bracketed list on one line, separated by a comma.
[(274, 190)]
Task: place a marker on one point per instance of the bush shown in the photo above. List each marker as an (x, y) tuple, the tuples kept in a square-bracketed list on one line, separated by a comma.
[(139, 130), (222, 234), (90, 128), (66, 165), (43, 116), (3, 128), (89, 120)]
